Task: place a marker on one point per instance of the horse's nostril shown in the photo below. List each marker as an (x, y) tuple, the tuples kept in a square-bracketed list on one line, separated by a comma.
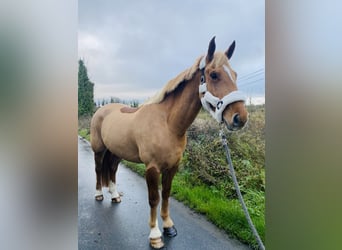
[(236, 120)]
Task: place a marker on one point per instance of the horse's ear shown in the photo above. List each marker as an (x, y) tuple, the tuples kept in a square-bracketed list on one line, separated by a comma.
[(230, 51), (211, 50)]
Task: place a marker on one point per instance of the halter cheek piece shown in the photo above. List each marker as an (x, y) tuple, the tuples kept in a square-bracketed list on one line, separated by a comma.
[(208, 99)]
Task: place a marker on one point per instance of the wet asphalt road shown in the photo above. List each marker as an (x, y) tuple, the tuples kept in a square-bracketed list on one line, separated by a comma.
[(105, 225)]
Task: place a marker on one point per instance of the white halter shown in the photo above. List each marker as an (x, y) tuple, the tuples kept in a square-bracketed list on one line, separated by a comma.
[(219, 104)]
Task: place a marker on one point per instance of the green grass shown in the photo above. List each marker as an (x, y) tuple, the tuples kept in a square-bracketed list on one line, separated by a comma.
[(84, 133), (84, 127), (139, 168), (226, 214)]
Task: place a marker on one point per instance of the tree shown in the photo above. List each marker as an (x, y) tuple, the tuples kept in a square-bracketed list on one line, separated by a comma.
[(115, 100), (85, 91), (134, 103)]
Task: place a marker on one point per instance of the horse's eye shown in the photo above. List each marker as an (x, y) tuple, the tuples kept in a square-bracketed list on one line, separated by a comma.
[(214, 75)]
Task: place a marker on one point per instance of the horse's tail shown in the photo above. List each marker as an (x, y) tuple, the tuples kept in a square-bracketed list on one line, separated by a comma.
[(106, 168)]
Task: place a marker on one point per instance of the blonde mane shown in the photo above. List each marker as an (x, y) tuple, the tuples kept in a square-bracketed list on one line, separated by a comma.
[(174, 83), (218, 60)]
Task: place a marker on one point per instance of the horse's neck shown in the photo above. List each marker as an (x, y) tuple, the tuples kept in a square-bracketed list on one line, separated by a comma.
[(183, 105)]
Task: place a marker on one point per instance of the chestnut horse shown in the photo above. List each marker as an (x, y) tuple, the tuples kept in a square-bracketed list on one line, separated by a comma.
[(155, 133)]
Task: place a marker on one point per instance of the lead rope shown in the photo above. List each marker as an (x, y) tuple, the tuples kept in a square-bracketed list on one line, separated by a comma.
[(237, 188)]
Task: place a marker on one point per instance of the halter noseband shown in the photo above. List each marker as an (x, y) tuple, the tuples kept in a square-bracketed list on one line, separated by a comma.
[(208, 99)]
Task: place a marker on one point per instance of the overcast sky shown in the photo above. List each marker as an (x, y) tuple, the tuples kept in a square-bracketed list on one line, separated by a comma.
[(133, 48)]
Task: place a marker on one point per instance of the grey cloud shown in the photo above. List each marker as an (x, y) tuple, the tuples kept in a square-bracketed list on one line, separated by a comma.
[(149, 42)]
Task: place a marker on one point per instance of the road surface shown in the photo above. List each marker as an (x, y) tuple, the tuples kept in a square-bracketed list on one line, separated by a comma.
[(124, 226)]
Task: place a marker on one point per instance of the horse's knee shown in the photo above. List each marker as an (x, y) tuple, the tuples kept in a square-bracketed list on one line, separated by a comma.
[(153, 201), (166, 193)]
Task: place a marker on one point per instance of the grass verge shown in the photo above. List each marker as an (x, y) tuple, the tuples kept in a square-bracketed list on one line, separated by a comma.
[(84, 133), (226, 214)]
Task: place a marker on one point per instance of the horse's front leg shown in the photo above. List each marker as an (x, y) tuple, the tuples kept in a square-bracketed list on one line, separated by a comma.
[(152, 179), (168, 226)]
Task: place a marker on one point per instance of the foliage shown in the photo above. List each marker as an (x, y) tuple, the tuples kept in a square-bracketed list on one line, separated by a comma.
[(206, 184), (205, 159), (85, 91), (139, 168), (225, 213), (133, 103), (84, 133), (84, 127)]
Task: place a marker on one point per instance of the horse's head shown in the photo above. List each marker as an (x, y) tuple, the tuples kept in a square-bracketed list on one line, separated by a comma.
[(218, 90)]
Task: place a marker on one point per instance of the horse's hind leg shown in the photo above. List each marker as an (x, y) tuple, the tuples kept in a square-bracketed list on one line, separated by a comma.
[(168, 226), (114, 163), (98, 169)]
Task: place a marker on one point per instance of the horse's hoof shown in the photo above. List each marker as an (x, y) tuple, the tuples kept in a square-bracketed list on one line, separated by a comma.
[(170, 231), (116, 200), (99, 197), (157, 243)]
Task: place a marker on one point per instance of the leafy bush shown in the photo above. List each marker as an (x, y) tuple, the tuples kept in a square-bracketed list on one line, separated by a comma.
[(205, 159), (84, 126), (204, 167)]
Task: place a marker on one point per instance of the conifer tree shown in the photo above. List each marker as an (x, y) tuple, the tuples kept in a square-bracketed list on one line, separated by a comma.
[(85, 91)]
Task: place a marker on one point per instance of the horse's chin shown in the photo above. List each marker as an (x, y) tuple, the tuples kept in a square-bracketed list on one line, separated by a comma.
[(230, 127)]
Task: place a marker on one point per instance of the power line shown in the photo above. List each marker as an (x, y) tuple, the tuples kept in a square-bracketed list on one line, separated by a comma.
[(244, 84), (247, 79), (249, 82), (252, 76), (255, 73), (249, 75)]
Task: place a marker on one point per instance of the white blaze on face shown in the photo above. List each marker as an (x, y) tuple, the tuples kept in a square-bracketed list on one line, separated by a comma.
[(229, 72)]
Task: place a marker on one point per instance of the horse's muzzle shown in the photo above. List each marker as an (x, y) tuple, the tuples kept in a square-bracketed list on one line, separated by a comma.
[(236, 123)]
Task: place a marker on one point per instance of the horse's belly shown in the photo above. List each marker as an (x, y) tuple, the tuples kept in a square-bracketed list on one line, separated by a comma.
[(126, 153), (123, 148)]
